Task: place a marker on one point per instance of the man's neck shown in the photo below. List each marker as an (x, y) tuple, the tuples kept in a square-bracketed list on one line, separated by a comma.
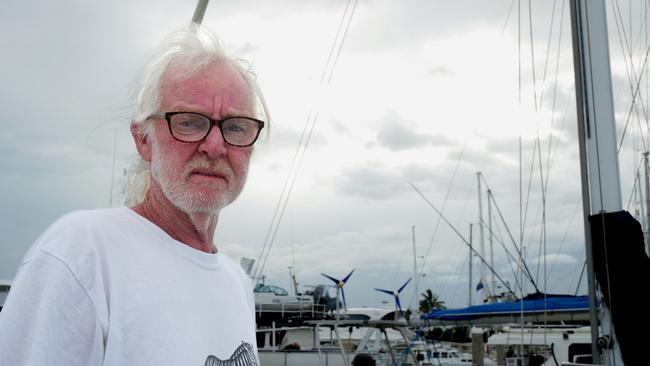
[(193, 229)]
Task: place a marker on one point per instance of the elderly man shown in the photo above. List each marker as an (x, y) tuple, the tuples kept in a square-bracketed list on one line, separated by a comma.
[(145, 285)]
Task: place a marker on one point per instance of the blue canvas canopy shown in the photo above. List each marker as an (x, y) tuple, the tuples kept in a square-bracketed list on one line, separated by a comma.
[(534, 308)]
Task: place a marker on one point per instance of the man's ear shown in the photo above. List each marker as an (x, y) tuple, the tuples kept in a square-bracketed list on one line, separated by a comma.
[(142, 141)]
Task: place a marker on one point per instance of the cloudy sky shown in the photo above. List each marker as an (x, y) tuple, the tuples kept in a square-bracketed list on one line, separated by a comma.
[(422, 92)]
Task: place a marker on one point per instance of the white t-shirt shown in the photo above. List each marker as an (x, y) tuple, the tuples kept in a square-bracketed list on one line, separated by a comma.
[(108, 287)]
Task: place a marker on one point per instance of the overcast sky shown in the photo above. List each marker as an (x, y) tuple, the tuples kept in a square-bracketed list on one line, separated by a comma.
[(423, 92)]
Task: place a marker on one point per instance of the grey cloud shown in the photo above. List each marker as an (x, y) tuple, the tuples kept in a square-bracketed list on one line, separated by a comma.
[(396, 135), (373, 180), (424, 20), (370, 182), (247, 50), (474, 159), (441, 71), (340, 127), (283, 138)]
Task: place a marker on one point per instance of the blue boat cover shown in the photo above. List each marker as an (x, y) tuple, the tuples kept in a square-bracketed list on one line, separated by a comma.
[(550, 304)]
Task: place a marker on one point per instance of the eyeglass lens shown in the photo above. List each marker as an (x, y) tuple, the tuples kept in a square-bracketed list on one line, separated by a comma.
[(192, 127)]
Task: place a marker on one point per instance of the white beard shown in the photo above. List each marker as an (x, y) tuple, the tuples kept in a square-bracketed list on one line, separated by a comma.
[(177, 189)]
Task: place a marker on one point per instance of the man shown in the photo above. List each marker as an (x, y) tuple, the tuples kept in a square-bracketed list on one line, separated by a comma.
[(145, 285)]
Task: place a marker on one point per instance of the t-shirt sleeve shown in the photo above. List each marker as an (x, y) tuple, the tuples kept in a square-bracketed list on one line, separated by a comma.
[(48, 317)]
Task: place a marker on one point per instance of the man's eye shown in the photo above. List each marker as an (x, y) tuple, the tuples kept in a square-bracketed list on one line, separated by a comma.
[(234, 128), (189, 123)]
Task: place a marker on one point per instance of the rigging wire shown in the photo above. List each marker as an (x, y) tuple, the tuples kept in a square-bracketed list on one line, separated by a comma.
[(538, 105), (499, 239), (548, 50), (627, 55), (523, 267), (505, 284), (566, 233), (505, 23), (444, 205), (554, 98), (532, 52), (458, 264), (530, 183), (636, 184), (519, 46), (582, 272), (543, 238), (543, 227), (336, 38), (343, 38), (461, 264), (552, 148), (303, 143)]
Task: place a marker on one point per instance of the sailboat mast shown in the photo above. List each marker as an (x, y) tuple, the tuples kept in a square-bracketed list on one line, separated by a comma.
[(470, 264), (481, 235), (415, 267), (493, 282), (601, 188), (647, 202)]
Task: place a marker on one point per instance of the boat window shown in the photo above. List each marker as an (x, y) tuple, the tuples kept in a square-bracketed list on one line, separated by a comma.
[(358, 317), (262, 288), (278, 291)]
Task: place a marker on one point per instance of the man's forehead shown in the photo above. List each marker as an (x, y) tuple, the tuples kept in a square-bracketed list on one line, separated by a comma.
[(216, 88)]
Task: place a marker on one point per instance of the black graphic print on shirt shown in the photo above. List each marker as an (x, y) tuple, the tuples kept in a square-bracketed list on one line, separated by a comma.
[(243, 356)]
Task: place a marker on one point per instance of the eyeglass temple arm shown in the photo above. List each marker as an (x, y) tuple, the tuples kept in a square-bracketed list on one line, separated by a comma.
[(160, 115)]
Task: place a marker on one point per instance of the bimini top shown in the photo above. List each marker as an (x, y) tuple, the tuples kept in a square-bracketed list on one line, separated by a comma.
[(534, 307)]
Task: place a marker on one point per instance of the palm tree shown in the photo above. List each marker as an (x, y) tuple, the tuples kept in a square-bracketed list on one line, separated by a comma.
[(430, 301)]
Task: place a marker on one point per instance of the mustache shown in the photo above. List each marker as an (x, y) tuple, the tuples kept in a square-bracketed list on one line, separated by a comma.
[(218, 166)]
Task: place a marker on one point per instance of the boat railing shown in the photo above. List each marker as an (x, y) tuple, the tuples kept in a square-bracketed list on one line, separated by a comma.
[(296, 310)]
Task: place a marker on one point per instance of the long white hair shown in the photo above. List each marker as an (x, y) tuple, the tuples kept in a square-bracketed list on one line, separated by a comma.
[(187, 50)]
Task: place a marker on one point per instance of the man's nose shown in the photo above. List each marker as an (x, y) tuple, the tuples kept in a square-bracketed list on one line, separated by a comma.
[(214, 145)]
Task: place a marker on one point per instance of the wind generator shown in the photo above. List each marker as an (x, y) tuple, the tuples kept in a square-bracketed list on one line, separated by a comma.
[(339, 288), (395, 294)]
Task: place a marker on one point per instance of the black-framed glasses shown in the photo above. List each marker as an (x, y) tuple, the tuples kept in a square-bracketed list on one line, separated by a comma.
[(195, 127)]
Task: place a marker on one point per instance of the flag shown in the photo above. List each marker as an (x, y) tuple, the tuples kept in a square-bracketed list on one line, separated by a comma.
[(479, 286)]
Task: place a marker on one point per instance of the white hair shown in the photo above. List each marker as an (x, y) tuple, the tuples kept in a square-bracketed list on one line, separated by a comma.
[(187, 50)]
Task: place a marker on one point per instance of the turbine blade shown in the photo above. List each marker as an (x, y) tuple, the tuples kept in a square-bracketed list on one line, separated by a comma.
[(348, 276), (345, 305), (404, 285), (399, 306), (384, 291), (331, 278)]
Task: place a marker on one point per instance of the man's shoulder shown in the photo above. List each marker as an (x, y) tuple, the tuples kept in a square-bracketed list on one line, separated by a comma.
[(233, 266), (89, 217), (89, 221), (230, 263), (79, 229)]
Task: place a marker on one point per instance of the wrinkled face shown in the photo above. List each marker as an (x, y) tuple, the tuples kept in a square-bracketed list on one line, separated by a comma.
[(208, 175)]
